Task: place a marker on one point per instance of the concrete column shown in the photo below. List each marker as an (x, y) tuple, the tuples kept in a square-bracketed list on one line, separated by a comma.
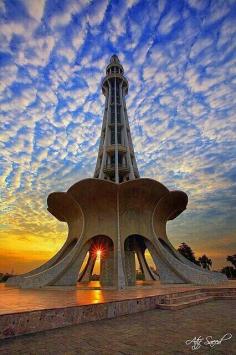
[(102, 141), (129, 161), (107, 269), (88, 268), (143, 263), (130, 143), (119, 273), (167, 274), (70, 275), (104, 155), (130, 267), (116, 140)]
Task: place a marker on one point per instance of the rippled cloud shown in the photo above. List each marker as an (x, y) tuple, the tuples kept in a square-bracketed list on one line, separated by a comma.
[(179, 58)]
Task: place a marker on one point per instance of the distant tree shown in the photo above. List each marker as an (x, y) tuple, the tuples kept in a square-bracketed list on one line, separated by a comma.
[(229, 271), (5, 277), (187, 252), (232, 259), (205, 262)]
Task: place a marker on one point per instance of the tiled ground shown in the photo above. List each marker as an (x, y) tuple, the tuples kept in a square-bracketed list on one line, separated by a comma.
[(18, 300), (153, 332)]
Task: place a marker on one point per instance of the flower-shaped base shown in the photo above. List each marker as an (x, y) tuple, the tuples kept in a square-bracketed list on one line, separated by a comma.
[(119, 220)]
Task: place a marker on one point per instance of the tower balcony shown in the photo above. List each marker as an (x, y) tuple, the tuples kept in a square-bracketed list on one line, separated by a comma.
[(114, 75), (109, 169), (121, 148), (111, 148)]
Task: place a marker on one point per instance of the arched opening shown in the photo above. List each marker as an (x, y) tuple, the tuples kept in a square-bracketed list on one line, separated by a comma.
[(97, 268), (139, 265)]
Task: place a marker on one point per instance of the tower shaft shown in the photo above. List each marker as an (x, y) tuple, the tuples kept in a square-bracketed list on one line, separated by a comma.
[(116, 159)]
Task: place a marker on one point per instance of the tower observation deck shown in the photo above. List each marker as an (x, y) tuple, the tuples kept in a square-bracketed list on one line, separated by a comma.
[(116, 159)]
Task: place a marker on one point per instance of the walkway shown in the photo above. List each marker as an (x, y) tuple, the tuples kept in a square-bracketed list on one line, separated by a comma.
[(154, 332)]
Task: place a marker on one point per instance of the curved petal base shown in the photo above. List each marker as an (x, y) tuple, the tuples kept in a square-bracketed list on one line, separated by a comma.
[(124, 219)]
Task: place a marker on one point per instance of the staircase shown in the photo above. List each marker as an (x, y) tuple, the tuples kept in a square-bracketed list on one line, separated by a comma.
[(180, 300)]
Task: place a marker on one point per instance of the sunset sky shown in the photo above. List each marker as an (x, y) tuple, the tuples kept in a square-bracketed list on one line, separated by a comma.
[(180, 60)]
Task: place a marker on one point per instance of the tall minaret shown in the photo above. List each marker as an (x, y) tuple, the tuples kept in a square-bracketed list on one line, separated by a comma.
[(116, 160)]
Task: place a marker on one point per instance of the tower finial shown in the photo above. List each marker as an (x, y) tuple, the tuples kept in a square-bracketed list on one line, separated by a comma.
[(114, 59)]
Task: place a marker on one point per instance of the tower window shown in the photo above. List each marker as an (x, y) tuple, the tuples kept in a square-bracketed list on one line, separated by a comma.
[(118, 114), (112, 135), (119, 135), (112, 114), (120, 158), (117, 96), (112, 91), (113, 159)]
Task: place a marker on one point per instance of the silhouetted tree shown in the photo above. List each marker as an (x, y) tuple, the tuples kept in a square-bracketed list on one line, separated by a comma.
[(232, 259), (187, 252), (229, 271), (205, 262), (4, 277)]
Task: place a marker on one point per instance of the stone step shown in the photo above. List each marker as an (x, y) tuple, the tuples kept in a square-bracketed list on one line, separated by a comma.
[(220, 292), (185, 292), (180, 295), (225, 297), (181, 305), (184, 298)]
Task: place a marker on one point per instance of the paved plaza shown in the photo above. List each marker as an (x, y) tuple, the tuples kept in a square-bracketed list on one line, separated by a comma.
[(151, 332), (16, 300), (20, 300)]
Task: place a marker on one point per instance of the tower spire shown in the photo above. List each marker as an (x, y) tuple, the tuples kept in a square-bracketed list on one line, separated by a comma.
[(116, 159)]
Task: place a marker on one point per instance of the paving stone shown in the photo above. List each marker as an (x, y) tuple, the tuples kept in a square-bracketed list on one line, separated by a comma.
[(153, 332)]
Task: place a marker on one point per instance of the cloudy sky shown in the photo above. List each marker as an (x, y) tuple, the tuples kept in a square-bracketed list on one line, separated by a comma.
[(180, 59)]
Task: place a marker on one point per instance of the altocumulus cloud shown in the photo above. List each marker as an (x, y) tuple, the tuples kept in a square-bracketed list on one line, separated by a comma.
[(179, 57)]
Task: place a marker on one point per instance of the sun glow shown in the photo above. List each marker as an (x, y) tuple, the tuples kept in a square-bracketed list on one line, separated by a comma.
[(99, 252)]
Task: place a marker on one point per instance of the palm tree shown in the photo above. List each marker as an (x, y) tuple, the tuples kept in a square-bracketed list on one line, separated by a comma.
[(205, 262), (187, 252), (232, 259), (229, 271)]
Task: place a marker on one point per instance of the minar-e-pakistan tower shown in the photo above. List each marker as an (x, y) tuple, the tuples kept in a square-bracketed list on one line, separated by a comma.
[(116, 214)]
